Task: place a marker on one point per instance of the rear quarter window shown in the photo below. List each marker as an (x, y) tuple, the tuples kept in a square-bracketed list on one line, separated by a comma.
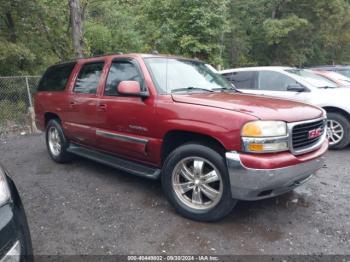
[(55, 78)]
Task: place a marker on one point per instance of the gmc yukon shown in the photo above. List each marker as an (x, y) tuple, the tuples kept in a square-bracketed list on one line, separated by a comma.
[(177, 120)]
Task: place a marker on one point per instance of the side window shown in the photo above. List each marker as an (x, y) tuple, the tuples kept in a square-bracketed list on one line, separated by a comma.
[(274, 81), (243, 80), (121, 71), (56, 77), (88, 78)]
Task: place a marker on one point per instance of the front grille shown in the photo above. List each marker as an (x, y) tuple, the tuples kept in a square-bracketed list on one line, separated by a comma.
[(301, 134)]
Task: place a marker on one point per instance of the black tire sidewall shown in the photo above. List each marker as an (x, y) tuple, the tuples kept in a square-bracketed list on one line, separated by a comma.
[(64, 155), (226, 202), (342, 120)]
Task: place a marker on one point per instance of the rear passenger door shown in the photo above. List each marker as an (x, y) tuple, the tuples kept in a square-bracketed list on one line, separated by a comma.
[(83, 104)]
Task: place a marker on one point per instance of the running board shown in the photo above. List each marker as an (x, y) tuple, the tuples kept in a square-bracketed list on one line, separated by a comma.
[(116, 162)]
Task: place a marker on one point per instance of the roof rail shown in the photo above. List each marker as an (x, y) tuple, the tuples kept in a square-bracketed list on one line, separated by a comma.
[(85, 57)]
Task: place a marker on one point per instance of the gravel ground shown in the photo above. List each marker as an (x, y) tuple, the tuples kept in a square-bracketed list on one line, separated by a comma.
[(88, 208)]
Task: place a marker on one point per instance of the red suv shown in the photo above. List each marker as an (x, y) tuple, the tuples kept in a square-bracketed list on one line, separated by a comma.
[(175, 119)]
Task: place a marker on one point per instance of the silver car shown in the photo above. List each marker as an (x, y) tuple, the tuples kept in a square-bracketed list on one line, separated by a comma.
[(302, 85)]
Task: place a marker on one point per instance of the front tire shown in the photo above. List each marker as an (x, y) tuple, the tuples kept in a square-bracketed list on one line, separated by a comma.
[(56, 142), (196, 182), (338, 131)]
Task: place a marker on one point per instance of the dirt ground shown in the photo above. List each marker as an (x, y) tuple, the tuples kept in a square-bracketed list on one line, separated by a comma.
[(87, 208)]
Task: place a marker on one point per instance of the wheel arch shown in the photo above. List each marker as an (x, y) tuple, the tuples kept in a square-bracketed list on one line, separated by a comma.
[(333, 109), (175, 138), (49, 116)]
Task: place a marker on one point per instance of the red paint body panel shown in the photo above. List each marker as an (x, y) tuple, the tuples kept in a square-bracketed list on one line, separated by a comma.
[(127, 116), (279, 160), (218, 115), (262, 107)]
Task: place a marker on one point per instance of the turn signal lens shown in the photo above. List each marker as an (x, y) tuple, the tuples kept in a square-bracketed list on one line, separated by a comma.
[(256, 147), (268, 147)]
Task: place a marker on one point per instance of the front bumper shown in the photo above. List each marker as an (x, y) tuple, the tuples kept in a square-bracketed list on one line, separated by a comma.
[(253, 184)]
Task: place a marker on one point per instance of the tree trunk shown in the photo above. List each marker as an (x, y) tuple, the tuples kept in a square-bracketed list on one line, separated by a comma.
[(77, 20), (11, 27)]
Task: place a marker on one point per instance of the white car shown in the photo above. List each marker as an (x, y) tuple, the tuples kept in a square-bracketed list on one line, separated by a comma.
[(302, 85)]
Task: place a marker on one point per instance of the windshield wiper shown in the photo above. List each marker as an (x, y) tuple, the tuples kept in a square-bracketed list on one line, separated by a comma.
[(326, 87), (190, 88), (225, 89)]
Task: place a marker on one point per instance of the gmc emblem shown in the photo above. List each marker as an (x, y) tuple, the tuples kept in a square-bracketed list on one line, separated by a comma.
[(315, 133)]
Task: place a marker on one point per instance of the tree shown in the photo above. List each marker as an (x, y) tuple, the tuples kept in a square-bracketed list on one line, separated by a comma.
[(233, 33), (77, 11), (288, 32), (192, 28)]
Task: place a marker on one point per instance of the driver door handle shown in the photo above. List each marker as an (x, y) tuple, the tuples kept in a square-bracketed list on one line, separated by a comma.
[(102, 107)]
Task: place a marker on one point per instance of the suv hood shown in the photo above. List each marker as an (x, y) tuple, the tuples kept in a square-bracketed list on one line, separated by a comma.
[(264, 108)]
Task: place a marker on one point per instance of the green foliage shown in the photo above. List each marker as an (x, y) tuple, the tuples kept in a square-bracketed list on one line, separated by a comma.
[(14, 58), (276, 30), (191, 28), (222, 32), (112, 27), (12, 111), (32, 35)]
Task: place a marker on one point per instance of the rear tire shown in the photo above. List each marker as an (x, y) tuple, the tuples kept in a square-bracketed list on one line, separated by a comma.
[(338, 131), (196, 182), (56, 142)]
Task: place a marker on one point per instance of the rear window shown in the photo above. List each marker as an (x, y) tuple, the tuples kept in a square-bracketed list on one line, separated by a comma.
[(56, 77)]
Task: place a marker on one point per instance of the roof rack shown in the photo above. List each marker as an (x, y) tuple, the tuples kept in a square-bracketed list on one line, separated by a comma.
[(107, 54), (86, 57)]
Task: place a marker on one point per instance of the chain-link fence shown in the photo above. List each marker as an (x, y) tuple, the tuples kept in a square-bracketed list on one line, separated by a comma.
[(16, 104)]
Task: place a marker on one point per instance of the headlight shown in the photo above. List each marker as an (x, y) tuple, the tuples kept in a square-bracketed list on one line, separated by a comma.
[(264, 129), (265, 136), (4, 189)]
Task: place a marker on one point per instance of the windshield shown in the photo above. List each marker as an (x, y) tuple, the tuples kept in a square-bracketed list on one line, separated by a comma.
[(312, 78), (344, 72), (179, 75), (338, 76)]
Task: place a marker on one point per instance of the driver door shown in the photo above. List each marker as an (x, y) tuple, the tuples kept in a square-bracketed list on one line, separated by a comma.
[(125, 122)]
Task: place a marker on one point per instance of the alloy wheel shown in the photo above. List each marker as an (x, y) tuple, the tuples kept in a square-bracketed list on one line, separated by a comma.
[(335, 131), (54, 141), (197, 183)]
